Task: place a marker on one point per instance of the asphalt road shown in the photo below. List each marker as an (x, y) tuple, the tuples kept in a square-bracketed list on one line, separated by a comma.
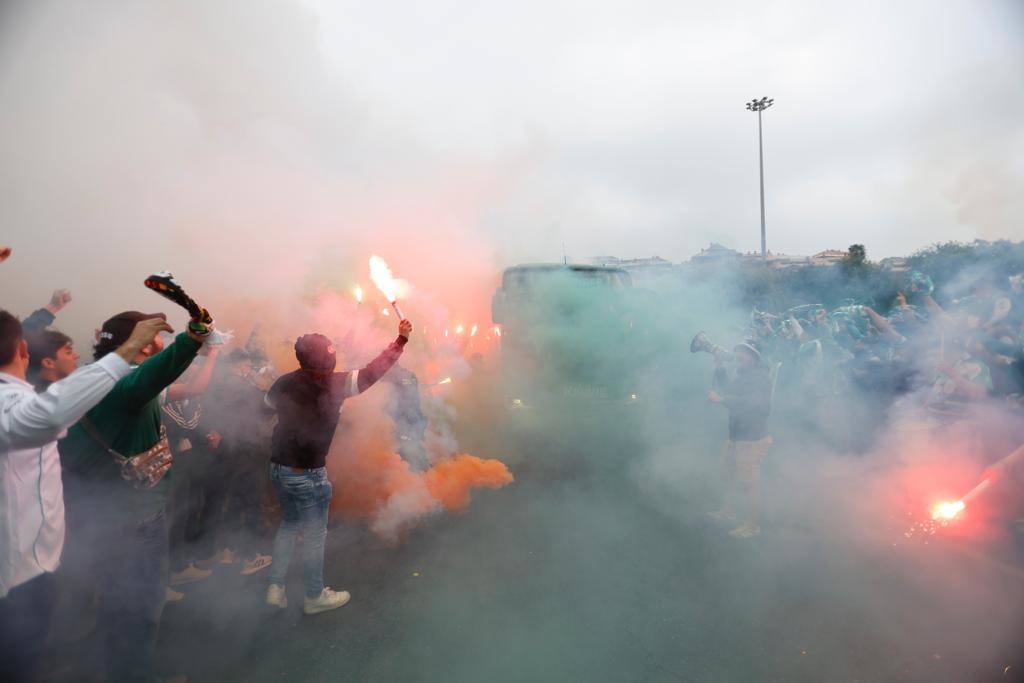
[(580, 573)]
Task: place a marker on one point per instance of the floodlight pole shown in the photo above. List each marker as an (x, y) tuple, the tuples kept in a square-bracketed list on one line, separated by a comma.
[(759, 106), (760, 164)]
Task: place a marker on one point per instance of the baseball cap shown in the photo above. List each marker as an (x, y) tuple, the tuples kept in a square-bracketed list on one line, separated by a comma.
[(116, 330)]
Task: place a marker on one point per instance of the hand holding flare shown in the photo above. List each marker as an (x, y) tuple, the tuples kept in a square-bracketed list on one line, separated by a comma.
[(948, 510), (386, 282)]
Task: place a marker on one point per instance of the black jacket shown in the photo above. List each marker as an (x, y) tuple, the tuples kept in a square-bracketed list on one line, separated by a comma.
[(308, 406)]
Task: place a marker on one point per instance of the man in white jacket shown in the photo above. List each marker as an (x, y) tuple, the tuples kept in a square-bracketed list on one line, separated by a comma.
[(31, 493)]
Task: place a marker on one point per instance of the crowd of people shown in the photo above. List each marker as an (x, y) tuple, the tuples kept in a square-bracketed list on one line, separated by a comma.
[(953, 372), (139, 472), (136, 473)]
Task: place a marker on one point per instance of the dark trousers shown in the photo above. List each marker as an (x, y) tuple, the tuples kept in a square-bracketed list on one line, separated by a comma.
[(208, 526), (24, 626), (244, 526), (197, 507), (131, 578)]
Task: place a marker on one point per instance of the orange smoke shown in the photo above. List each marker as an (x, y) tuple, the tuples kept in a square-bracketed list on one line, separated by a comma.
[(380, 488), (367, 479), (450, 481), (373, 483)]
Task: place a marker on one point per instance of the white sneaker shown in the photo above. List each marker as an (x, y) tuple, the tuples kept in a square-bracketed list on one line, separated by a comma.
[(276, 596), (171, 595), (190, 574), (328, 600), (258, 563), (745, 530)]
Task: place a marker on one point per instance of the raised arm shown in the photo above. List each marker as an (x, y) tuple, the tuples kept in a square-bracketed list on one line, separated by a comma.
[(1010, 463), (359, 381), (968, 388), (31, 420), (198, 384), (37, 419), (38, 320), (883, 325), (933, 306), (159, 371), (44, 317)]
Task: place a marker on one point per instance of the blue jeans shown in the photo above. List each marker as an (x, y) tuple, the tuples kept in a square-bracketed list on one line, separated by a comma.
[(305, 496)]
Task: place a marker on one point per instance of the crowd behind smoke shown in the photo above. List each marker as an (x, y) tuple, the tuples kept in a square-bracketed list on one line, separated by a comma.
[(879, 409)]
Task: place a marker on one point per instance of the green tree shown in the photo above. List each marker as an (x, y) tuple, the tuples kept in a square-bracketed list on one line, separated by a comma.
[(856, 256)]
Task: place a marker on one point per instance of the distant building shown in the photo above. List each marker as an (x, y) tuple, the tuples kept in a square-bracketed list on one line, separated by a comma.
[(785, 261), (895, 264), (829, 257), (655, 262), (716, 254)]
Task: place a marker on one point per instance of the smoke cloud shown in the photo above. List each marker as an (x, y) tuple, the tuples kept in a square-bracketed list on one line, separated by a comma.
[(264, 151)]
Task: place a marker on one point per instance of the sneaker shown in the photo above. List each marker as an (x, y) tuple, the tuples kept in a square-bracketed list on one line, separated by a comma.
[(745, 530), (723, 515), (328, 600), (171, 595), (258, 563), (224, 556), (190, 574), (276, 596)]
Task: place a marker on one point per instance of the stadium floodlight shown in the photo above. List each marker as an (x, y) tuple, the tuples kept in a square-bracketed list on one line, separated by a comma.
[(759, 106)]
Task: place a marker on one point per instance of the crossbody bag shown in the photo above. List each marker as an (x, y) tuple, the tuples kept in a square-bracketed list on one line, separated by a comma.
[(142, 470)]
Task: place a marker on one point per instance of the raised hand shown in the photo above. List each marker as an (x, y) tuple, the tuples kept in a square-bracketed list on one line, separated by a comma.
[(58, 300), (142, 335)]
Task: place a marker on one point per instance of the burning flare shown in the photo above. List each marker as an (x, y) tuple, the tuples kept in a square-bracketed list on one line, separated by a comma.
[(390, 286), (357, 292), (947, 510)]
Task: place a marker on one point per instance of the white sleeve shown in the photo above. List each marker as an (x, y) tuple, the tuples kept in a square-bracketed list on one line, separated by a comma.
[(352, 386), (30, 420)]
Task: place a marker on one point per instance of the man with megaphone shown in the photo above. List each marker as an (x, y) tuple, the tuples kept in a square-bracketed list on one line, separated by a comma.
[(747, 396)]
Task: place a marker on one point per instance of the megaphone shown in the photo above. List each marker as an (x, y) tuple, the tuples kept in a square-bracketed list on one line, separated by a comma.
[(702, 343)]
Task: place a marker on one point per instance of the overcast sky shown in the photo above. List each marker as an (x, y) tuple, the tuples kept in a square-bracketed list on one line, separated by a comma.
[(238, 136), (896, 124)]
